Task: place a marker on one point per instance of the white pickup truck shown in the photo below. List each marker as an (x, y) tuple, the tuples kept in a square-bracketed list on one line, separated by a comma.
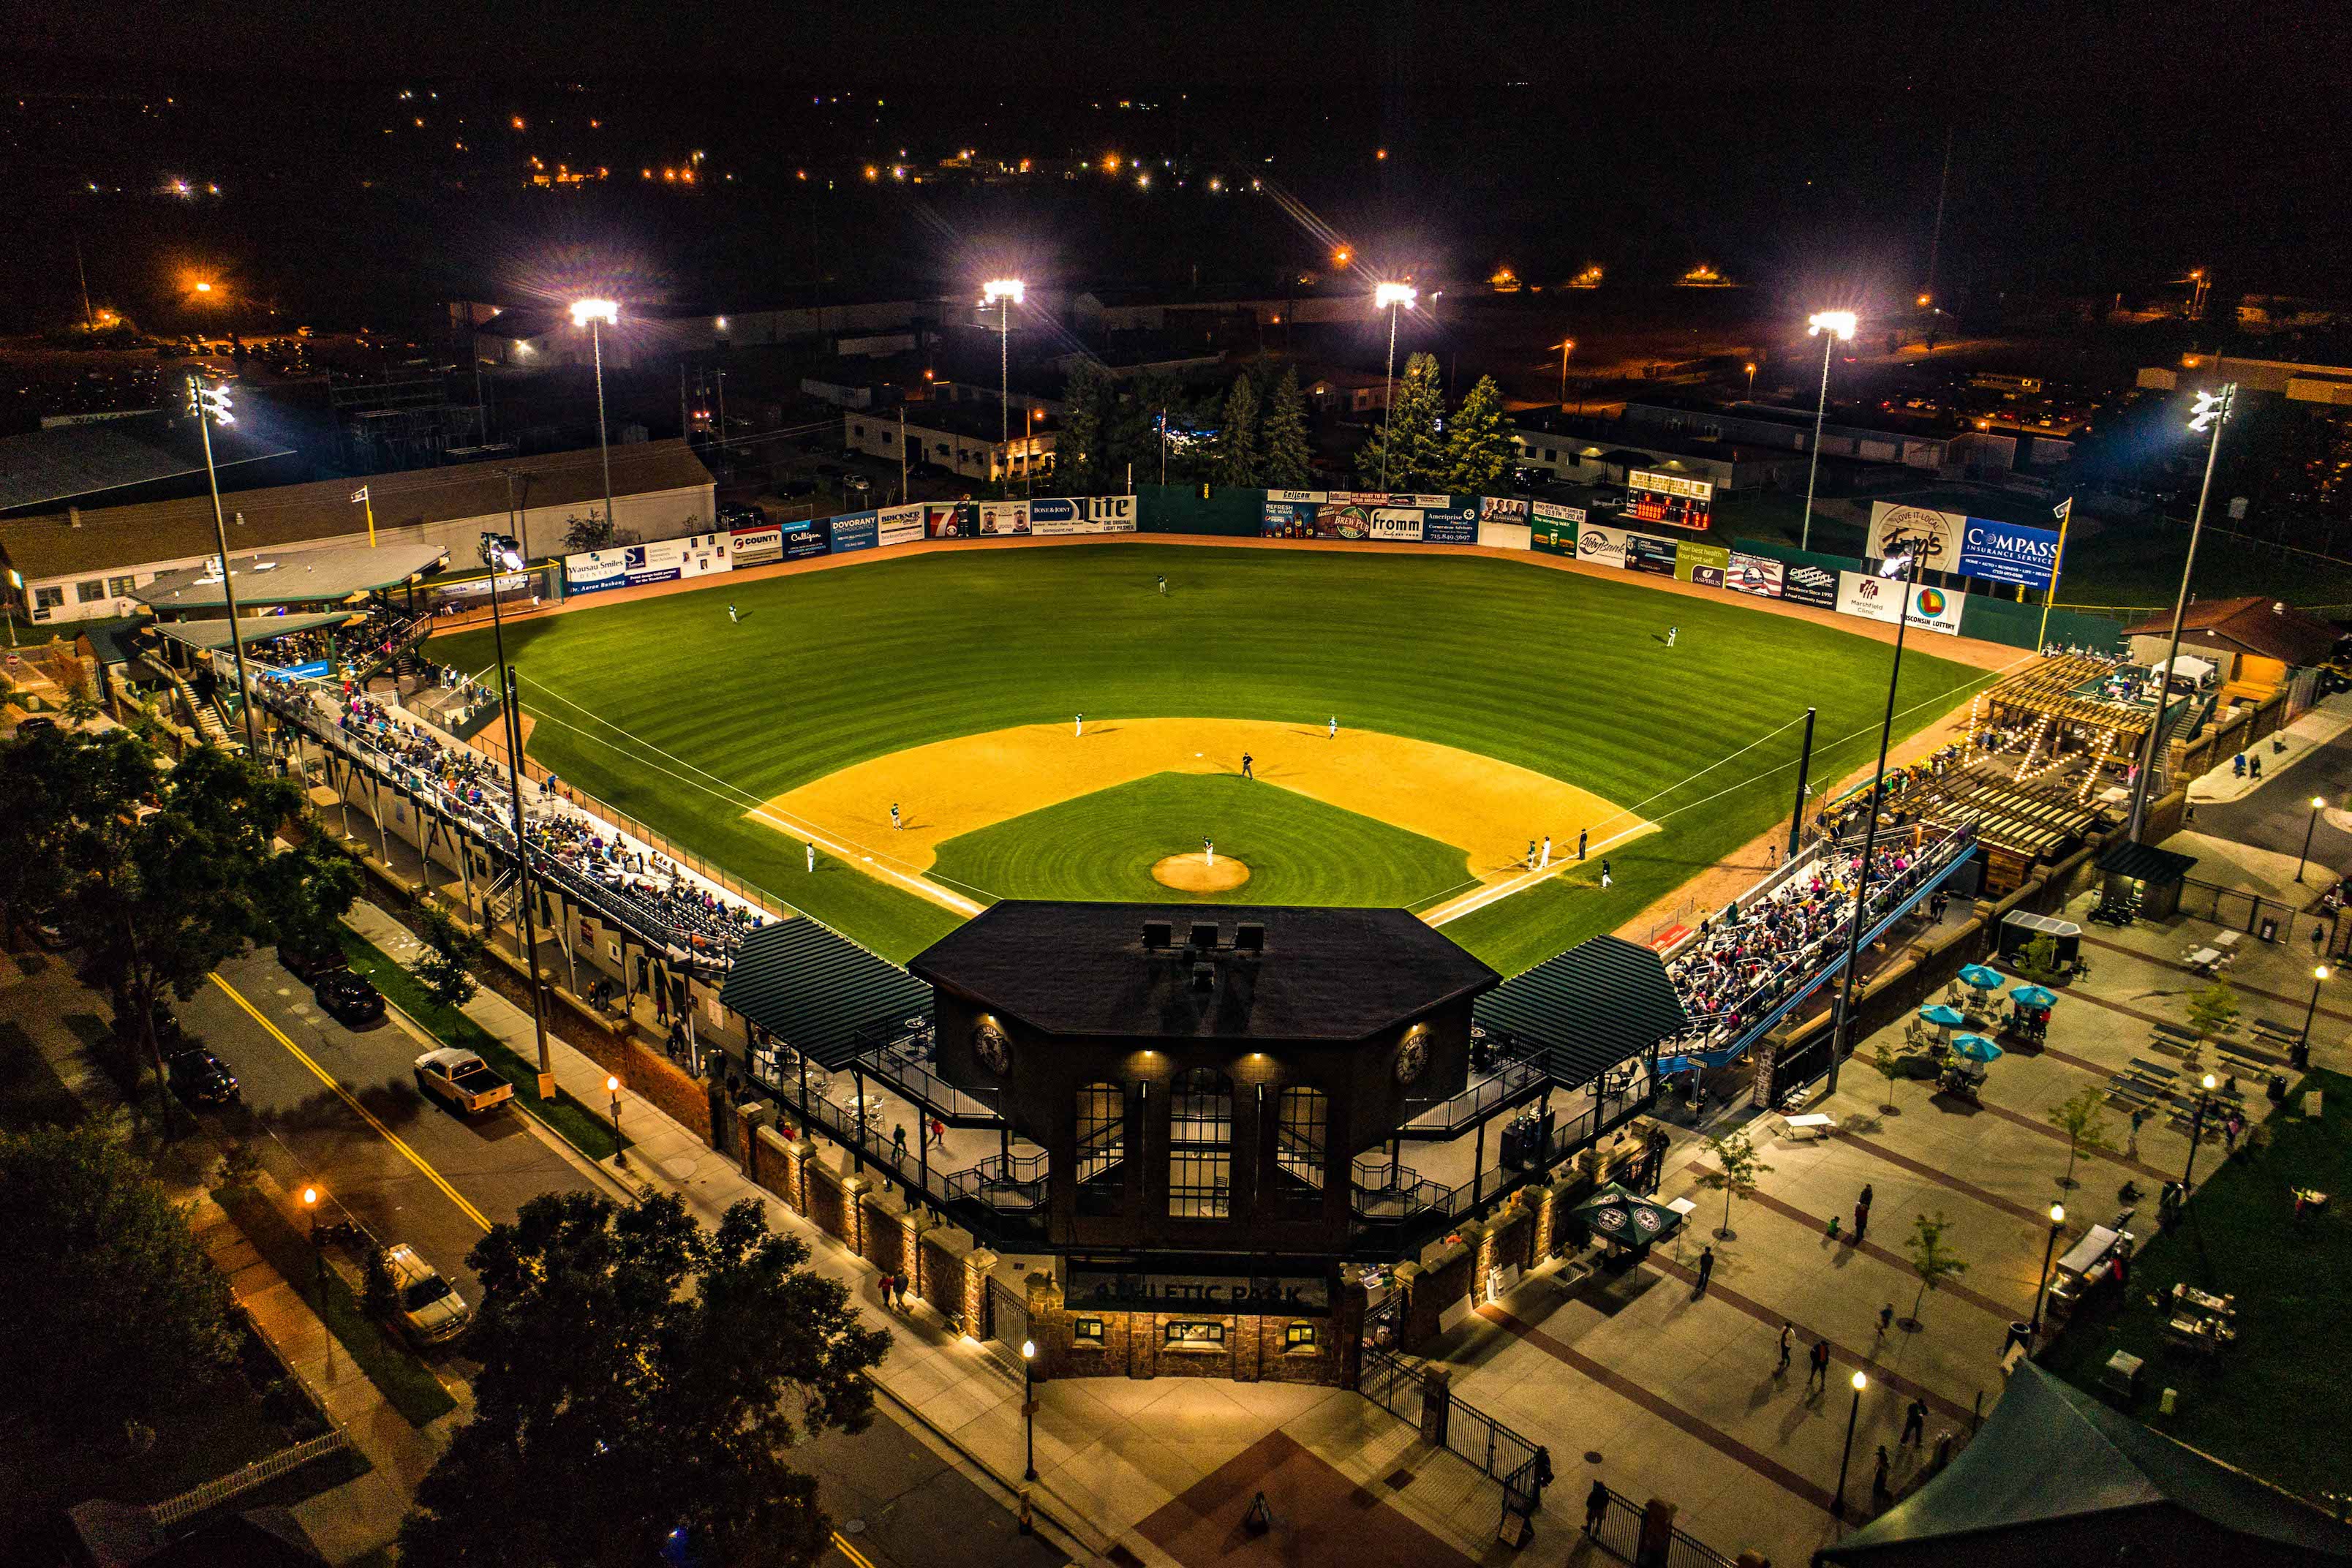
[(461, 1079)]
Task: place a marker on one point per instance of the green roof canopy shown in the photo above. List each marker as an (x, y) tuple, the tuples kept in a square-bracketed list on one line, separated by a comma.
[(813, 990), (256, 628)]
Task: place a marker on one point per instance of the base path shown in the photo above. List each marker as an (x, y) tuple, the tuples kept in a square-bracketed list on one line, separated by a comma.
[(1489, 809)]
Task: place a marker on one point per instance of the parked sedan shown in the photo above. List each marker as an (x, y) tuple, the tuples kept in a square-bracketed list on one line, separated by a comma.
[(200, 1077), (349, 997)]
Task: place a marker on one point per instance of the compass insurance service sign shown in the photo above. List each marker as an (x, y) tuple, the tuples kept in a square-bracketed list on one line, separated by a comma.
[(1972, 546)]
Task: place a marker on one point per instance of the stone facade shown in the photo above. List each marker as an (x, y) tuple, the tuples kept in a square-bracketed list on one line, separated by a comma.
[(1240, 1346)]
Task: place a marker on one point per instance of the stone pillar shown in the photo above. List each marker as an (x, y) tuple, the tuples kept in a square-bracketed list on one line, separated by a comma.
[(1479, 1237), (853, 1213), (750, 1117), (1405, 1278), (1347, 1325), (796, 1158), (1049, 1327), (1436, 1404), (911, 1227), (978, 1264), (1546, 1205)]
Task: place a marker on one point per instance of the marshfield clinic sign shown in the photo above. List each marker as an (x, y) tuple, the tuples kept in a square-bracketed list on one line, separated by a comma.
[(1972, 546)]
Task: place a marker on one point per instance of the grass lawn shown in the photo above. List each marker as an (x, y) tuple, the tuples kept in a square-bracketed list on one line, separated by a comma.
[(1299, 851), (573, 1121), (407, 1383), (2295, 1307), (673, 715)]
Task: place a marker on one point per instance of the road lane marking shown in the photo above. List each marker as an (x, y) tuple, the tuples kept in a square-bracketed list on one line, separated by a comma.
[(323, 1076), (857, 1559)]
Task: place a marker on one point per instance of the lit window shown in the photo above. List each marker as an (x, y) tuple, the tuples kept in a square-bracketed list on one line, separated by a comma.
[(1199, 1145), (1298, 1337), (1101, 1145)]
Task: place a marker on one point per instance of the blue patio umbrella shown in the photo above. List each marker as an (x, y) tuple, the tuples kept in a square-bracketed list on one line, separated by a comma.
[(1943, 1016), (2034, 997), (1980, 977), (1976, 1047)]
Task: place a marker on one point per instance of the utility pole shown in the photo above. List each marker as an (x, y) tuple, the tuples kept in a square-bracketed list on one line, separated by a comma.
[(209, 406), (88, 317), (1804, 768), (1935, 244)]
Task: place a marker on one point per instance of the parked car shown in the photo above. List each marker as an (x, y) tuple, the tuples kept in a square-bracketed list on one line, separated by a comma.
[(347, 997), (461, 1081), (200, 1077), (431, 1310), (36, 724), (307, 964), (48, 930)]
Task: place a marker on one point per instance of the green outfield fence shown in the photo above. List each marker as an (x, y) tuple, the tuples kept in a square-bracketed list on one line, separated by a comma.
[(1983, 615), (1226, 510)]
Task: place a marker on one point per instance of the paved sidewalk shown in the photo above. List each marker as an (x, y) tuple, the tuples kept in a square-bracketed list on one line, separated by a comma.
[(2324, 722), (1117, 1459)]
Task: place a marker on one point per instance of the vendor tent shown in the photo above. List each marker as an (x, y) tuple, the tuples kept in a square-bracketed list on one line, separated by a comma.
[(1616, 1214), (2056, 1477)]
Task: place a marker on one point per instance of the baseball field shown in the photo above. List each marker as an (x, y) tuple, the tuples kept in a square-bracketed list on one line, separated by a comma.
[(1480, 705)]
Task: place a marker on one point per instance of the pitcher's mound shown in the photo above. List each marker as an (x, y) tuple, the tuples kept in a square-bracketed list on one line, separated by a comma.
[(1193, 873)]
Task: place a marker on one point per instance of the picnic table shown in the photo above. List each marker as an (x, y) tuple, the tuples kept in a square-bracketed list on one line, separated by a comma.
[(1810, 1127), (2202, 957)]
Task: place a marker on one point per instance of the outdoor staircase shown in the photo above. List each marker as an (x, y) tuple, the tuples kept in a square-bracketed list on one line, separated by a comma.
[(205, 716)]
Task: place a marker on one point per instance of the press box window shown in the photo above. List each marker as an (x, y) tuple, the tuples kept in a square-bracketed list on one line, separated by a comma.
[(47, 599), (1088, 1331), (1298, 1337), (119, 588), (90, 592), (1183, 1334)]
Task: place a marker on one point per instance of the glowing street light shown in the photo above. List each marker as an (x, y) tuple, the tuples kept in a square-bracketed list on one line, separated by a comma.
[(2318, 805), (1750, 368), (1837, 1510), (1832, 327), (2302, 1048), (203, 288), (2041, 1291), (596, 315), (210, 405), (1391, 298), (1565, 344), (1004, 293)]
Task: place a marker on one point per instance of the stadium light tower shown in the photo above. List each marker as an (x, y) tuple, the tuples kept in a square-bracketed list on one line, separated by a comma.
[(210, 404), (1832, 327), (2211, 412), (501, 554), (1004, 293), (1906, 567), (595, 315), (1391, 298)]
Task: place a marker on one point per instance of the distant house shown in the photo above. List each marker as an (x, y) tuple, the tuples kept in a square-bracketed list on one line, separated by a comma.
[(962, 439)]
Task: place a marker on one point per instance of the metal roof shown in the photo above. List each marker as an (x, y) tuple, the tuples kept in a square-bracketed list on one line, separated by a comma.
[(82, 463), (2146, 863), (256, 628), (291, 578), (812, 989), (1602, 1002)]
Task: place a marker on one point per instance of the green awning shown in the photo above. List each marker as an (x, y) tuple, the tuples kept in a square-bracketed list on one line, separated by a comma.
[(206, 635), (813, 990)]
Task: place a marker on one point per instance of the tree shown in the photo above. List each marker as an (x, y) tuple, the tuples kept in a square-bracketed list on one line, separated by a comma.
[(1234, 458), (590, 532), (2213, 1012), (445, 967), (2038, 959), (81, 704), (1288, 458), (642, 1376), (1891, 1062), (112, 1303), (305, 891), (1738, 1166), (1407, 433), (2084, 1120), (35, 815), (1080, 455), (1477, 450), (1934, 1261)]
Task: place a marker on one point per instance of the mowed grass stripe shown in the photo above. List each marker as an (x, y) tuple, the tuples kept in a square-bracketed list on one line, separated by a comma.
[(1299, 851), (1565, 674)]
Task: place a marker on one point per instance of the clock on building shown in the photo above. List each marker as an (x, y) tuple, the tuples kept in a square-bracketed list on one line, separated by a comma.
[(1413, 1054), (992, 1047)]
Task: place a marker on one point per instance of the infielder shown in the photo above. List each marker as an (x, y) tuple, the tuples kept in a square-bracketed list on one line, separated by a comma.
[(732, 618), (1531, 855), (1335, 726), (893, 815), (1544, 863), (1078, 730)]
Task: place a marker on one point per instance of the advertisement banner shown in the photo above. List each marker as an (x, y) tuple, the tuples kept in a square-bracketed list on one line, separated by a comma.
[(1934, 536), (947, 519), (1648, 552), (1000, 518), (853, 531), (1310, 498), (1670, 498), (1935, 609), (1289, 520), (899, 524), (1871, 598), (803, 539), (700, 555), (1502, 508), (1346, 520), (1396, 523), (1554, 526), (1082, 514), (757, 546), (1600, 545), (1705, 564), (1456, 524), (1757, 574), (1814, 585), (2008, 553)]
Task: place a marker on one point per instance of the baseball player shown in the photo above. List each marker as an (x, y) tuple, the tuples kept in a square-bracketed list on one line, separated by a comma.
[(1335, 726), (894, 816), (1544, 863), (1673, 631), (1247, 760), (732, 618), (1163, 585), (811, 858), (1209, 851)]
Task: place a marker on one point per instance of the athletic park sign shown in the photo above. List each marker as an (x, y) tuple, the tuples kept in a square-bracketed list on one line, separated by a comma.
[(1971, 546)]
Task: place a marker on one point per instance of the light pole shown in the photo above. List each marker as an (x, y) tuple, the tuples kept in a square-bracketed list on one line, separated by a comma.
[(210, 404), (2318, 805), (595, 315), (1908, 566), (1003, 294), (1832, 327), (2042, 1291), (1750, 368), (1029, 1405), (1837, 1510), (2319, 977), (1565, 344), (613, 1087), (2212, 412), (499, 553), (310, 1209), (1392, 297), (2197, 1130)]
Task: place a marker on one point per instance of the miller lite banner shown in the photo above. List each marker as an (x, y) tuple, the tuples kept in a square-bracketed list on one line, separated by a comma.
[(1082, 514)]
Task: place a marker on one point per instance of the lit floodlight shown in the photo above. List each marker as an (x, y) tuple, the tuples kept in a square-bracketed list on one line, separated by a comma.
[(1002, 288), (586, 311), (1895, 566), (1839, 324), (2211, 406), (500, 551), (211, 403), (1388, 294)]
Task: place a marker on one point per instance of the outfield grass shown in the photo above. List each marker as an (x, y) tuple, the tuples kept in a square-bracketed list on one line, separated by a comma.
[(1299, 851), (664, 709)]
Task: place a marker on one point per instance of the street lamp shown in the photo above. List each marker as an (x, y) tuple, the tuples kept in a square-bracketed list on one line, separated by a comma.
[(1837, 1510), (613, 1087), (1750, 368), (1029, 1405), (595, 315), (2197, 1128), (2211, 412), (1392, 297), (1832, 327), (1565, 344), (499, 553), (2041, 1291), (1908, 566), (2318, 805), (2303, 1048), (210, 404), (1003, 294), (318, 1251)]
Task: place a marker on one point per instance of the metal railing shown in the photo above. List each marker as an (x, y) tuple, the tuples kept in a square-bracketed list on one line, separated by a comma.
[(236, 1483), (1511, 1076)]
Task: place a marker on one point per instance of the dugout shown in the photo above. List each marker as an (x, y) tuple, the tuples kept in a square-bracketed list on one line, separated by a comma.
[(2144, 872)]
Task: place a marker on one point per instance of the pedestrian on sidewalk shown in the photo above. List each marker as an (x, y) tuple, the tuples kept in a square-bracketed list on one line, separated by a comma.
[(1915, 1424), (1596, 1507), (898, 1139), (938, 1132), (1882, 1492), (2138, 1115), (1817, 1366), (2230, 1130), (1862, 1214), (1886, 1318), (1788, 1342), (1706, 1268)]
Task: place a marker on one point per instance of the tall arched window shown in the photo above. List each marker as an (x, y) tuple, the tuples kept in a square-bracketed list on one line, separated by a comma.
[(1101, 1147), (1199, 1145), (1302, 1118)]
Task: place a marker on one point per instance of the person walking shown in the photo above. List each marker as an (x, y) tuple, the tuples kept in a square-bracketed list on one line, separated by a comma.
[(1335, 726), (2138, 1115), (1915, 1424), (1817, 1366), (1248, 763), (811, 846), (938, 1132), (1605, 873), (1787, 1343), (1531, 862), (1886, 1319), (898, 1139), (894, 816), (1596, 1507), (1862, 1213), (1706, 1268), (1545, 863), (1579, 844), (1882, 1490)]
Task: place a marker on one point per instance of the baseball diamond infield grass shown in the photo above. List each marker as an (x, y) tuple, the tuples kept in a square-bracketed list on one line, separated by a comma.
[(662, 708), (1298, 851)]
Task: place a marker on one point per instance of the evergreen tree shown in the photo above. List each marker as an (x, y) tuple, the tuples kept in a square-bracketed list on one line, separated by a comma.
[(1407, 436), (1476, 449), (1234, 461), (1080, 459), (1287, 455)]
